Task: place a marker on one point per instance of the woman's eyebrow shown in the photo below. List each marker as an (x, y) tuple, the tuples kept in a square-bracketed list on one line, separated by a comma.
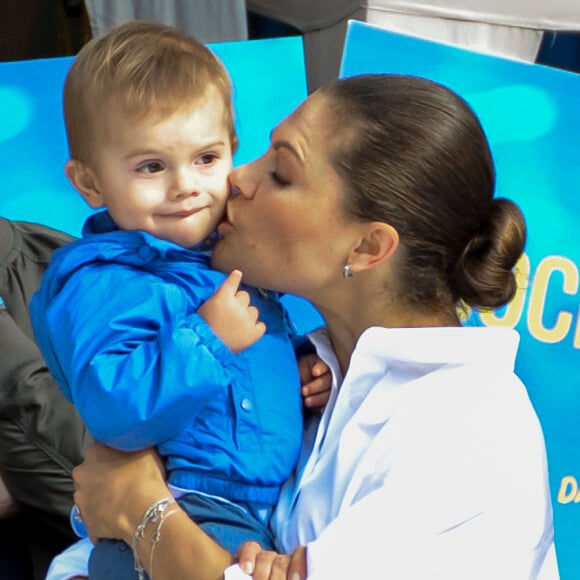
[(282, 143)]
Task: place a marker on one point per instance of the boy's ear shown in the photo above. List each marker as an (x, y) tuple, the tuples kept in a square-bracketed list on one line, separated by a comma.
[(84, 181), (377, 245)]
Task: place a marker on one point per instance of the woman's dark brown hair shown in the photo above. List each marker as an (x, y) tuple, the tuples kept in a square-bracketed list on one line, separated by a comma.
[(413, 154)]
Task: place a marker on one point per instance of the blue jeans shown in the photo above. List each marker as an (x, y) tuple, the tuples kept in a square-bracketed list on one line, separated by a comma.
[(229, 525)]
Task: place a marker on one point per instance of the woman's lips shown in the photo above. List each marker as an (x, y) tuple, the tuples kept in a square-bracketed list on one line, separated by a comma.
[(224, 225)]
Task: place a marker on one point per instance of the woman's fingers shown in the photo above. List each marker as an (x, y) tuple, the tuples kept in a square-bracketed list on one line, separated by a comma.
[(247, 556), (267, 565), (297, 567), (271, 566)]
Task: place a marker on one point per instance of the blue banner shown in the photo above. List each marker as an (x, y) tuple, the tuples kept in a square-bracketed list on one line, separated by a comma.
[(531, 115)]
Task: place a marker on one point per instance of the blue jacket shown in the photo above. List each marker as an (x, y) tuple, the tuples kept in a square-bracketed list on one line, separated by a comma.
[(116, 320)]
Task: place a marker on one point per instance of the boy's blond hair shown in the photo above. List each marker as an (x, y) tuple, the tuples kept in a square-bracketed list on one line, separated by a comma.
[(141, 68)]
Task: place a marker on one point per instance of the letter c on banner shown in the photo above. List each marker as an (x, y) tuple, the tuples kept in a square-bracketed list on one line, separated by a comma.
[(538, 298)]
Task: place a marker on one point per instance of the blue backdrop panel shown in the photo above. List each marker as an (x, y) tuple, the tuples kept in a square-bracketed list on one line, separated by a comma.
[(532, 118)]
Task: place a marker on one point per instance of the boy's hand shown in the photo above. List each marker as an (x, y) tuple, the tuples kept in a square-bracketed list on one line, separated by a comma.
[(231, 316), (315, 382)]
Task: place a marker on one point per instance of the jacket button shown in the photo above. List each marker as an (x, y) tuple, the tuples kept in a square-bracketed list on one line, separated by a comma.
[(246, 404)]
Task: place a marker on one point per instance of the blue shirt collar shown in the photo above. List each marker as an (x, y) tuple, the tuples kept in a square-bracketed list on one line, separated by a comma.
[(102, 223)]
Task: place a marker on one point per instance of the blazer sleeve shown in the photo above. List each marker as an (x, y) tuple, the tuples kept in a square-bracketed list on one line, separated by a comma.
[(41, 435)]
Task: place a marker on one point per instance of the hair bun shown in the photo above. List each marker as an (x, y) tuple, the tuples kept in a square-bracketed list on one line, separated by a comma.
[(485, 276)]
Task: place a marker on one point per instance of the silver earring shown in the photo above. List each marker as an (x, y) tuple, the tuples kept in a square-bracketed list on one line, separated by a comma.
[(347, 271)]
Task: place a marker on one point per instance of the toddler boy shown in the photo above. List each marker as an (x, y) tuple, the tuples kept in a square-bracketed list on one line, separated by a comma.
[(152, 346)]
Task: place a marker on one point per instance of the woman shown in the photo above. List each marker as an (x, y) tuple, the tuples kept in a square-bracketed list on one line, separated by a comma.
[(375, 202)]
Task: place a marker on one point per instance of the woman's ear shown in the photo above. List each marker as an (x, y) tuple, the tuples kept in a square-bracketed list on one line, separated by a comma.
[(377, 245), (84, 181)]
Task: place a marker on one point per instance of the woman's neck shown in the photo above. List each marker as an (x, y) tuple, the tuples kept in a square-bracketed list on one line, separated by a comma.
[(343, 342), (346, 326)]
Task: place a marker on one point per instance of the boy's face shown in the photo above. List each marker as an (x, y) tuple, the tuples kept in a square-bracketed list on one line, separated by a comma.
[(167, 177)]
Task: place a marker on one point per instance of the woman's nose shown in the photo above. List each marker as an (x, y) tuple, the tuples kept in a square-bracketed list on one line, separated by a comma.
[(235, 191), (241, 184)]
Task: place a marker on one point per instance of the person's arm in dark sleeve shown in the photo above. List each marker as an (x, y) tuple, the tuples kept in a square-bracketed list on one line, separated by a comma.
[(42, 435)]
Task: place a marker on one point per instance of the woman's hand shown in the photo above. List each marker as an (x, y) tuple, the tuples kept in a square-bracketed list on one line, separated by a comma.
[(111, 488), (266, 565)]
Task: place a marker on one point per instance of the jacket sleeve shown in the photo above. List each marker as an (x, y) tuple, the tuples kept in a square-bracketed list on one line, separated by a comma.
[(136, 366), (42, 436)]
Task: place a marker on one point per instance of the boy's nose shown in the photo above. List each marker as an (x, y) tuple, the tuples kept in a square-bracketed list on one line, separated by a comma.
[(185, 185)]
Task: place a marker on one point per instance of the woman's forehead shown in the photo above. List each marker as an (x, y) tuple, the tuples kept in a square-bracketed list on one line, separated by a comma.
[(313, 109), (308, 128)]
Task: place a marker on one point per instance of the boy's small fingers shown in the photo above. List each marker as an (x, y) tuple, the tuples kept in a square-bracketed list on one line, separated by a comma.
[(318, 369), (260, 328), (319, 385), (305, 374), (232, 282), (316, 399)]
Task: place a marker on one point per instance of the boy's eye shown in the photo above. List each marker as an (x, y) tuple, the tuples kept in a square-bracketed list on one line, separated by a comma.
[(150, 167), (206, 159)]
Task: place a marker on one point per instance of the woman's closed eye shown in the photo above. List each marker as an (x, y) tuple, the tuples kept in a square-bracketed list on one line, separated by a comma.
[(279, 179)]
